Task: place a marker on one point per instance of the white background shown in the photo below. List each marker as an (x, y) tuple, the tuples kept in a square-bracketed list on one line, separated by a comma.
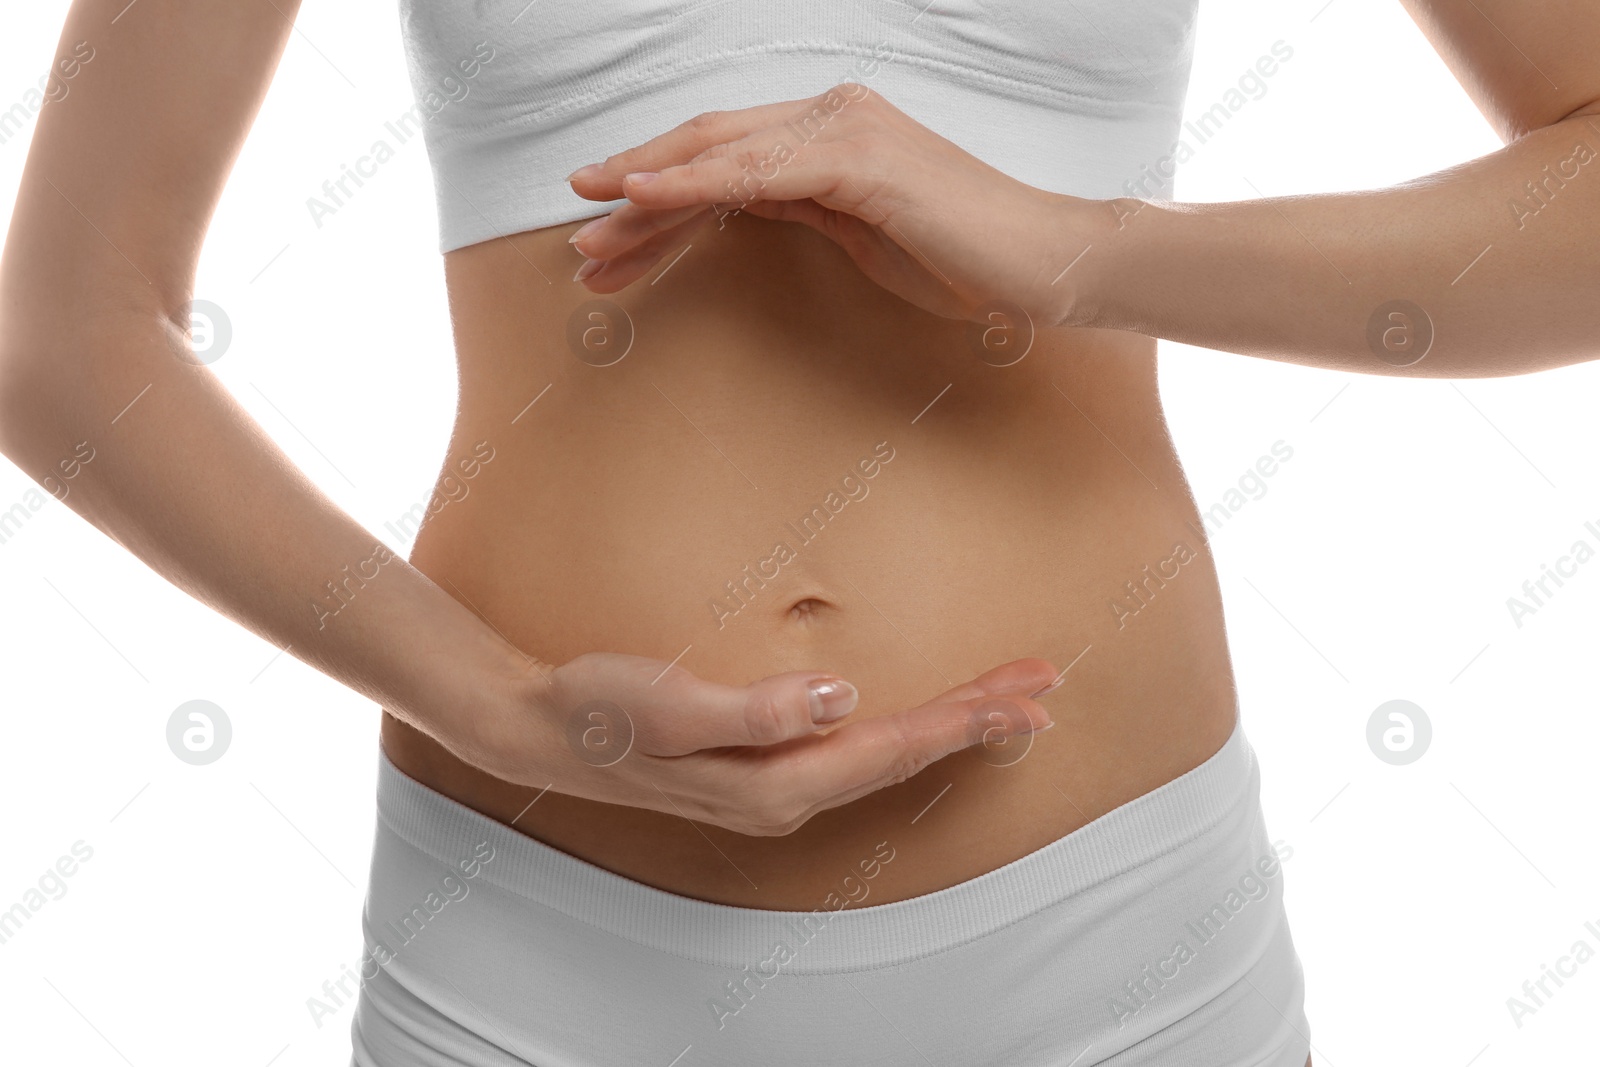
[(1376, 566)]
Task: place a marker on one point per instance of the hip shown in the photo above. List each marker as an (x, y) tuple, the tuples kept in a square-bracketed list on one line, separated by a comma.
[(1154, 934)]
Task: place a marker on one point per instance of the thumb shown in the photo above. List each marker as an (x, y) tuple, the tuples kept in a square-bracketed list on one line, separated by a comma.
[(766, 712)]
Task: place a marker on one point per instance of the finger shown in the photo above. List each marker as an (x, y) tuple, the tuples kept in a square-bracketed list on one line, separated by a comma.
[(603, 181), (686, 714), (861, 757), (760, 167), (631, 225), (831, 224), (781, 708), (639, 224), (1019, 676), (628, 267)]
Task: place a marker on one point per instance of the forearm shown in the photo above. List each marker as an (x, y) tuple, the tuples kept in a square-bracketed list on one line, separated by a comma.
[(1501, 255), (160, 457)]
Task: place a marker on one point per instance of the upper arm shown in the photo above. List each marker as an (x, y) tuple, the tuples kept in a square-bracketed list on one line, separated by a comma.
[(129, 158), (1525, 63)]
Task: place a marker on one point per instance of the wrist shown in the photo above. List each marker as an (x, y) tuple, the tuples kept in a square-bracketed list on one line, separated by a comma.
[(1087, 236), (503, 727), (460, 681)]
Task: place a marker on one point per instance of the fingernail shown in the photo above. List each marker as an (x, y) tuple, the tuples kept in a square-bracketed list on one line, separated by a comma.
[(640, 177), (1041, 729), (588, 268), (588, 170), (585, 230), (831, 698), (1051, 688)]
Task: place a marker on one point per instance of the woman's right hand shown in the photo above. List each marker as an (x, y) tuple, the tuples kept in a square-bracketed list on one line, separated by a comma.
[(758, 759)]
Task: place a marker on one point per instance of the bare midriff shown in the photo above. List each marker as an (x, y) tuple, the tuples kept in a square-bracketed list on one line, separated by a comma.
[(789, 468)]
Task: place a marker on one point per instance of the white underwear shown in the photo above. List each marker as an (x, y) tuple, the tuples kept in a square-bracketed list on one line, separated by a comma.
[(1155, 935)]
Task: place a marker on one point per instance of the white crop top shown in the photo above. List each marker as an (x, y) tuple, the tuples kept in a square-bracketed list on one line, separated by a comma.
[(1082, 97)]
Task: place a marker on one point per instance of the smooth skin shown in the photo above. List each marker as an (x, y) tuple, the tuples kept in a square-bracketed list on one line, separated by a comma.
[(484, 648)]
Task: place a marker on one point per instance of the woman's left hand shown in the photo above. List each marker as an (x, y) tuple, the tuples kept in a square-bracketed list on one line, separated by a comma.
[(921, 217)]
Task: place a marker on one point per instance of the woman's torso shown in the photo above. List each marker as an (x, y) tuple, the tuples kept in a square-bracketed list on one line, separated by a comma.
[(1035, 509)]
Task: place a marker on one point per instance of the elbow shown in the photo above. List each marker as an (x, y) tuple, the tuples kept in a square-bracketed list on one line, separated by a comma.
[(34, 434), (1589, 110), (65, 369), (34, 380), (1513, 126)]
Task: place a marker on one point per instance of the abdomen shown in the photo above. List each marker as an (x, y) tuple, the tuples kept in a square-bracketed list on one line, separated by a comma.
[(789, 468)]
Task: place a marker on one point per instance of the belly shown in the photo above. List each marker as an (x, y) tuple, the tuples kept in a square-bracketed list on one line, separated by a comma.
[(758, 462)]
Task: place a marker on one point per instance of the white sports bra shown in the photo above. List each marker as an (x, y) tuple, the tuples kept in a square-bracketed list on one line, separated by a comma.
[(1074, 96)]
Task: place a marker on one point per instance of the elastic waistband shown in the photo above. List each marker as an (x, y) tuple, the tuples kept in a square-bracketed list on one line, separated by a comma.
[(862, 938)]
